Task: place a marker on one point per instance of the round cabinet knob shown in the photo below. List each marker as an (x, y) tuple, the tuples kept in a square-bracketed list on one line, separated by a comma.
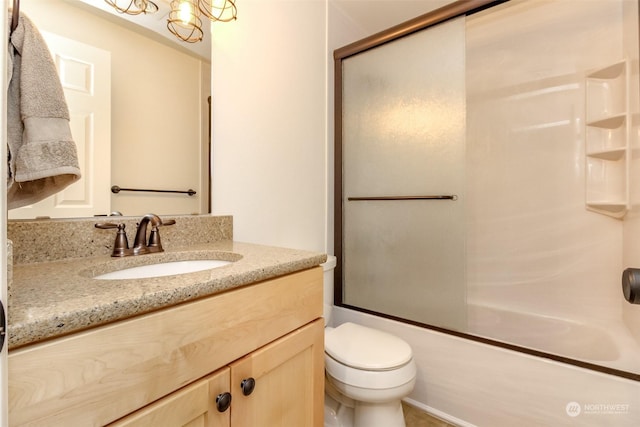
[(631, 285), (223, 401), (247, 385)]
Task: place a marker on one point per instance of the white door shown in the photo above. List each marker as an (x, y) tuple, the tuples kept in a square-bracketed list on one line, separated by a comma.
[(85, 73)]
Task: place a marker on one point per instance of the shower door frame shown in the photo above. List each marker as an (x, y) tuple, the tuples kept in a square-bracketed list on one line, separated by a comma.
[(453, 10)]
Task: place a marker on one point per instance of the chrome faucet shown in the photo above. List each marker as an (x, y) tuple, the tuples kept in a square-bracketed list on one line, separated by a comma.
[(141, 245)]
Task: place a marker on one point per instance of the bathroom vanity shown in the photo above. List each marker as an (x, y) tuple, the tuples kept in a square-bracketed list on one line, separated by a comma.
[(239, 345)]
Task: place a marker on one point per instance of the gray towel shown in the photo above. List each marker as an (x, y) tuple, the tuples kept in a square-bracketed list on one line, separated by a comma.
[(42, 155)]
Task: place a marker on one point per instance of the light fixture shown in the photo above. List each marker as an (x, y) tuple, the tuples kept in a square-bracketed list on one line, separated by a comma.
[(219, 10), (184, 21), (133, 7), (184, 18)]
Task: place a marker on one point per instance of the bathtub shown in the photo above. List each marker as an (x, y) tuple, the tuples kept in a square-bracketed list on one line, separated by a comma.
[(471, 383), (557, 336)]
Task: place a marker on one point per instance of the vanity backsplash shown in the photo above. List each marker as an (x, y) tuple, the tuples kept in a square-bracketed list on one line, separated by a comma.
[(36, 241)]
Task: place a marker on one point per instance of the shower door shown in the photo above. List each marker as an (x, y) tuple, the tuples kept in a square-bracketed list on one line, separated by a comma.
[(403, 142)]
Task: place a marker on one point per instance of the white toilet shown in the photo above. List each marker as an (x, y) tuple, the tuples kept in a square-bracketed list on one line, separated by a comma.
[(367, 372)]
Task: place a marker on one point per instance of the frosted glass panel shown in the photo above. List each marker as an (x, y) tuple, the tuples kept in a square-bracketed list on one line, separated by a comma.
[(403, 135)]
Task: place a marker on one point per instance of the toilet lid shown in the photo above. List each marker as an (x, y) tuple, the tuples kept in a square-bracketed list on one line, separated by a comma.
[(365, 348)]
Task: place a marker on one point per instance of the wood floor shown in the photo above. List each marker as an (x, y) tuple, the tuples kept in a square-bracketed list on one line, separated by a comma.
[(415, 417)]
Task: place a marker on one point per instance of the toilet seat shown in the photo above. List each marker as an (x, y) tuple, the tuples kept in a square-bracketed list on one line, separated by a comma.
[(360, 347), (371, 380), (363, 357)]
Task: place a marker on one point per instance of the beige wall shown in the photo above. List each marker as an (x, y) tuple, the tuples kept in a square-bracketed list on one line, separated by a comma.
[(269, 122), (157, 123)]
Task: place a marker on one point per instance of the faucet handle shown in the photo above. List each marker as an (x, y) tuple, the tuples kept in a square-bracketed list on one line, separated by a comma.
[(107, 225), (154, 236), (121, 244)]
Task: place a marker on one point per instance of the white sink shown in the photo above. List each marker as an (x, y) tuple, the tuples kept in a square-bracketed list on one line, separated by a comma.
[(163, 269)]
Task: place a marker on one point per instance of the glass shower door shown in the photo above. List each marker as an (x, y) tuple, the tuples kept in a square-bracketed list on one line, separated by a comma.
[(403, 177)]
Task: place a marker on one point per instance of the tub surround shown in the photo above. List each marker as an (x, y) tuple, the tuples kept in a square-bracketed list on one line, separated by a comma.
[(53, 293)]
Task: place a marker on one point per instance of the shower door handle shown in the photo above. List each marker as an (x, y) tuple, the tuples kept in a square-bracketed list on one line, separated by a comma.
[(631, 285), (453, 197)]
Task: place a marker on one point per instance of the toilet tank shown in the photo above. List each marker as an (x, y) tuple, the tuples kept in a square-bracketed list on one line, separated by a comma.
[(328, 268)]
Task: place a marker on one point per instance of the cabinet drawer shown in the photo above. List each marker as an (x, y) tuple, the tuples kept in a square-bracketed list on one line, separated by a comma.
[(97, 376)]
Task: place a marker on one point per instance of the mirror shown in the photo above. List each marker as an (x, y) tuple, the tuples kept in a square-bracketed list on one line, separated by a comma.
[(154, 113)]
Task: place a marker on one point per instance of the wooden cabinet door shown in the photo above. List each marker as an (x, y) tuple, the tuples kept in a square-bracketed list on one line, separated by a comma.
[(191, 406), (289, 382)]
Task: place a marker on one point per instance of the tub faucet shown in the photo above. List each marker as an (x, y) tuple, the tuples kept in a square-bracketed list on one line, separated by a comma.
[(140, 245)]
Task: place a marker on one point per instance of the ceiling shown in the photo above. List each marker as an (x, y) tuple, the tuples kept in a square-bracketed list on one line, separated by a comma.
[(368, 16), (153, 25), (373, 16)]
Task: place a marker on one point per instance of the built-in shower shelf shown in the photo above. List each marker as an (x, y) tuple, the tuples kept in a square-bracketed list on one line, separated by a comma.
[(616, 210), (610, 72), (612, 122), (613, 154), (607, 134)]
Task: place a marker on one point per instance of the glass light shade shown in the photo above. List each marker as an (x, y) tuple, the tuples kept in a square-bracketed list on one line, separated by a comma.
[(218, 10), (184, 21), (133, 7)]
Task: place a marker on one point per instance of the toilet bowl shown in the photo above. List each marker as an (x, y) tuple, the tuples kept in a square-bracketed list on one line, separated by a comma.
[(367, 371)]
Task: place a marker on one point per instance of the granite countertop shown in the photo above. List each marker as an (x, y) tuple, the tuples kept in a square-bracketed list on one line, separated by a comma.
[(51, 299)]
